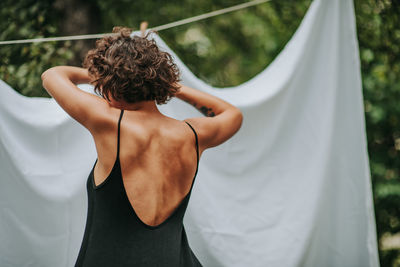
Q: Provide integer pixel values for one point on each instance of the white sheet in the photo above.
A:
(291, 188)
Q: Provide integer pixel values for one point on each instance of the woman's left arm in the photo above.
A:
(60, 82)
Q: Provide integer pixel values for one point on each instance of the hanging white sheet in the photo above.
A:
(291, 188)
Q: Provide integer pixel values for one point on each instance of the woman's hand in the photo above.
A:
(222, 119)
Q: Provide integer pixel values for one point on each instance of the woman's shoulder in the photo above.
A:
(106, 121)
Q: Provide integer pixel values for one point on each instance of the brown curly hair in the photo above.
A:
(131, 69)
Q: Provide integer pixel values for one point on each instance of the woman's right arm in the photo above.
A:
(222, 119)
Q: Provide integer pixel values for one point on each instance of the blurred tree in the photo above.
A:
(379, 41)
(21, 65)
(75, 18)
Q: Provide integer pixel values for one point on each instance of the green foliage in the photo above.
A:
(379, 41)
(21, 65)
(226, 51)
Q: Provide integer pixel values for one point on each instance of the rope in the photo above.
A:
(157, 28)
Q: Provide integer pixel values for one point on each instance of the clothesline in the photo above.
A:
(157, 28)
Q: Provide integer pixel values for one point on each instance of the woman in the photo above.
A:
(140, 184)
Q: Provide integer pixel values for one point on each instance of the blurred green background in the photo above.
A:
(226, 51)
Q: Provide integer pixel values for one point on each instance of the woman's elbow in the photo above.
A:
(45, 75)
(44, 78)
(49, 76)
(237, 118)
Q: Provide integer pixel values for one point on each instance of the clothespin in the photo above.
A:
(143, 27)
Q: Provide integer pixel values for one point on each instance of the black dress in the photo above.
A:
(116, 237)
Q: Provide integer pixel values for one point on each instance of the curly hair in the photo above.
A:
(131, 69)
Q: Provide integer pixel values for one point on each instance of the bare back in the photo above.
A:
(158, 162)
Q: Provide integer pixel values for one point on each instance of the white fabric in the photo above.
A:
(291, 188)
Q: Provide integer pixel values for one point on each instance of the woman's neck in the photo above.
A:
(146, 106)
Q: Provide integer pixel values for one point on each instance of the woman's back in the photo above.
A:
(158, 162)
(116, 234)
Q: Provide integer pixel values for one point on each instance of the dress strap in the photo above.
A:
(197, 147)
(119, 126)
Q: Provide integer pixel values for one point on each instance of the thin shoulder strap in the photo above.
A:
(119, 126)
(197, 146)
